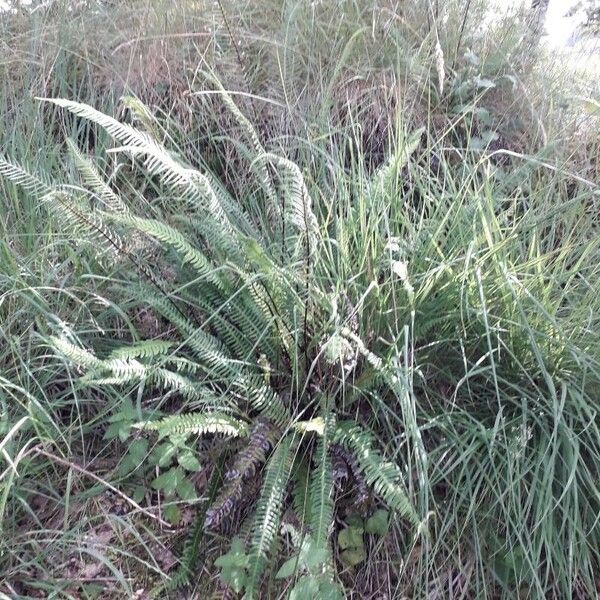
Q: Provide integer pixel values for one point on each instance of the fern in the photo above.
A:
(268, 511)
(157, 160)
(93, 180)
(173, 238)
(197, 423)
(22, 178)
(298, 205)
(241, 316)
(261, 161)
(321, 492)
(124, 368)
(385, 477)
(145, 349)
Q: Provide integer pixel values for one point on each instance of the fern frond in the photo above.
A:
(388, 174)
(261, 162)
(298, 204)
(321, 492)
(263, 399)
(228, 498)
(268, 511)
(92, 179)
(122, 368)
(261, 438)
(22, 178)
(301, 499)
(209, 351)
(197, 423)
(176, 240)
(76, 354)
(142, 114)
(144, 349)
(157, 159)
(384, 477)
(89, 225)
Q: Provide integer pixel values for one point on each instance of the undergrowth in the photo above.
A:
(300, 342)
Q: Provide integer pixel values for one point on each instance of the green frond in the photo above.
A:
(268, 511)
(93, 180)
(198, 423)
(75, 354)
(76, 217)
(176, 240)
(263, 399)
(211, 354)
(123, 367)
(157, 160)
(144, 349)
(301, 499)
(298, 203)
(384, 477)
(142, 114)
(22, 178)
(373, 359)
(230, 321)
(389, 173)
(169, 380)
(262, 167)
(321, 492)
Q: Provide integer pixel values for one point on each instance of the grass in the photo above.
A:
(457, 242)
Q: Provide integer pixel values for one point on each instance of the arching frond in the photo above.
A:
(157, 159)
(93, 180)
(21, 177)
(268, 511)
(298, 204)
(385, 477)
(198, 423)
(262, 167)
(176, 240)
(321, 492)
(144, 349)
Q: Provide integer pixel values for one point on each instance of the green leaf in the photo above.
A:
(235, 578)
(172, 514)
(378, 523)
(355, 521)
(234, 565)
(329, 590)
(127, 412)
(288, 568)
(186, 489)
(138, 449)
(307, 588)
(189, 461)
(164, 454)
(168, 481)
(228, 561)
(351, 537)
(119, 430)
(138, 493)
(353, 556)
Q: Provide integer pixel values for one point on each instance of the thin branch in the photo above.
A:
(103, 482)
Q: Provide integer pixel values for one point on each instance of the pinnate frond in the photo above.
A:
(198, 423)
(94, 181)
(383, 476)
(268, 511)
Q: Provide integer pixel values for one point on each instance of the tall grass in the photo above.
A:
(465, 254)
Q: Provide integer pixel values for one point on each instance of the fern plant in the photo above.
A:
(254, 344)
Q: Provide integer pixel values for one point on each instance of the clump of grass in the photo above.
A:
(463, 255)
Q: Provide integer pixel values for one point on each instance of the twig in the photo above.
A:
(105, 483)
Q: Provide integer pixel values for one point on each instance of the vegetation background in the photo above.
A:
(315, 317)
